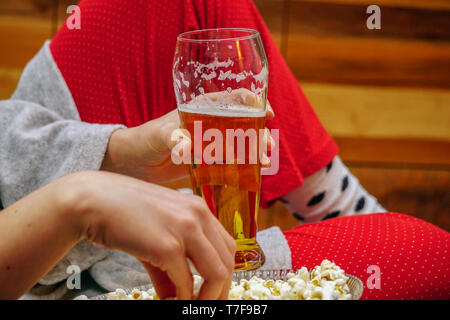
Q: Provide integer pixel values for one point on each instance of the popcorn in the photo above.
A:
(136, 294)
(119, 294)
(325, 282)
(198, 281)
(256, 290)
(236, 292)
(333, 281)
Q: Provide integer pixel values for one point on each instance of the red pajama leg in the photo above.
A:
(412, 255)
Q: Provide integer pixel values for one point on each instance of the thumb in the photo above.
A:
(176, 135)
(180, 145)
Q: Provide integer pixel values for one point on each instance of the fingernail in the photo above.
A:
(270, 111)
(265, 161)
(273, 144)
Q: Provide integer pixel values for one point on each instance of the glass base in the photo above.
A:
(248, 256)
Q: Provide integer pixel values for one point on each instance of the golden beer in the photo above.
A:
(231, 188)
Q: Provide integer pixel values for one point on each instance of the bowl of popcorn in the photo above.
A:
(326, 281)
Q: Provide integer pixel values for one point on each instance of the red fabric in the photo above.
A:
(413, 255)
(118, 69)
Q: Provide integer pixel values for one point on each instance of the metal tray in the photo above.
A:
(355, 284)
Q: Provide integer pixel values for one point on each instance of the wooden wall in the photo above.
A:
(383, 94)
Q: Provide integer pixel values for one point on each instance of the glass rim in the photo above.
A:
(252, 34)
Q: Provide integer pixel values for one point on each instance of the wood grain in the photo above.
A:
(381, 112)
(8, 81)
(21, 37)
(329, 42)
(394, 153)
(273, 12)
(362, 61)
(345, 18)
(422, 4)
(34, 8)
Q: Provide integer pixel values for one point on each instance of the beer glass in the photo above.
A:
(220, 81)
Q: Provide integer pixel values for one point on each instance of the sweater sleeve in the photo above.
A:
(42, 139)
(38, 146)
(41, 135)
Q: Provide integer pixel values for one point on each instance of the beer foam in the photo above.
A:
(222, 110)
(208, 72)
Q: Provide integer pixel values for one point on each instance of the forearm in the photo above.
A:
(36, 233)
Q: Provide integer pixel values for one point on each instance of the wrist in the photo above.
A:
(118, 150)
(74, 200)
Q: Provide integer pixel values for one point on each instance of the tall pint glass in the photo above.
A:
(220, 81)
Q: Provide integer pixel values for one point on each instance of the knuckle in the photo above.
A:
(229, 263)
(232, 244)
(221, 273)
(188, 223)
(197, 200)
(170, 248)
(198, 206)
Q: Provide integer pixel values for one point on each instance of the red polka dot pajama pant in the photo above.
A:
(395, 255)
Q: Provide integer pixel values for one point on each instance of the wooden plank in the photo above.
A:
(343, 18)
(8, 81)
(272, 11)
(27, 7)
(379, 112)
(20, 39)
(383, 62)
(329, 42)
(388, 152)
(423, 4)
(35, 9)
